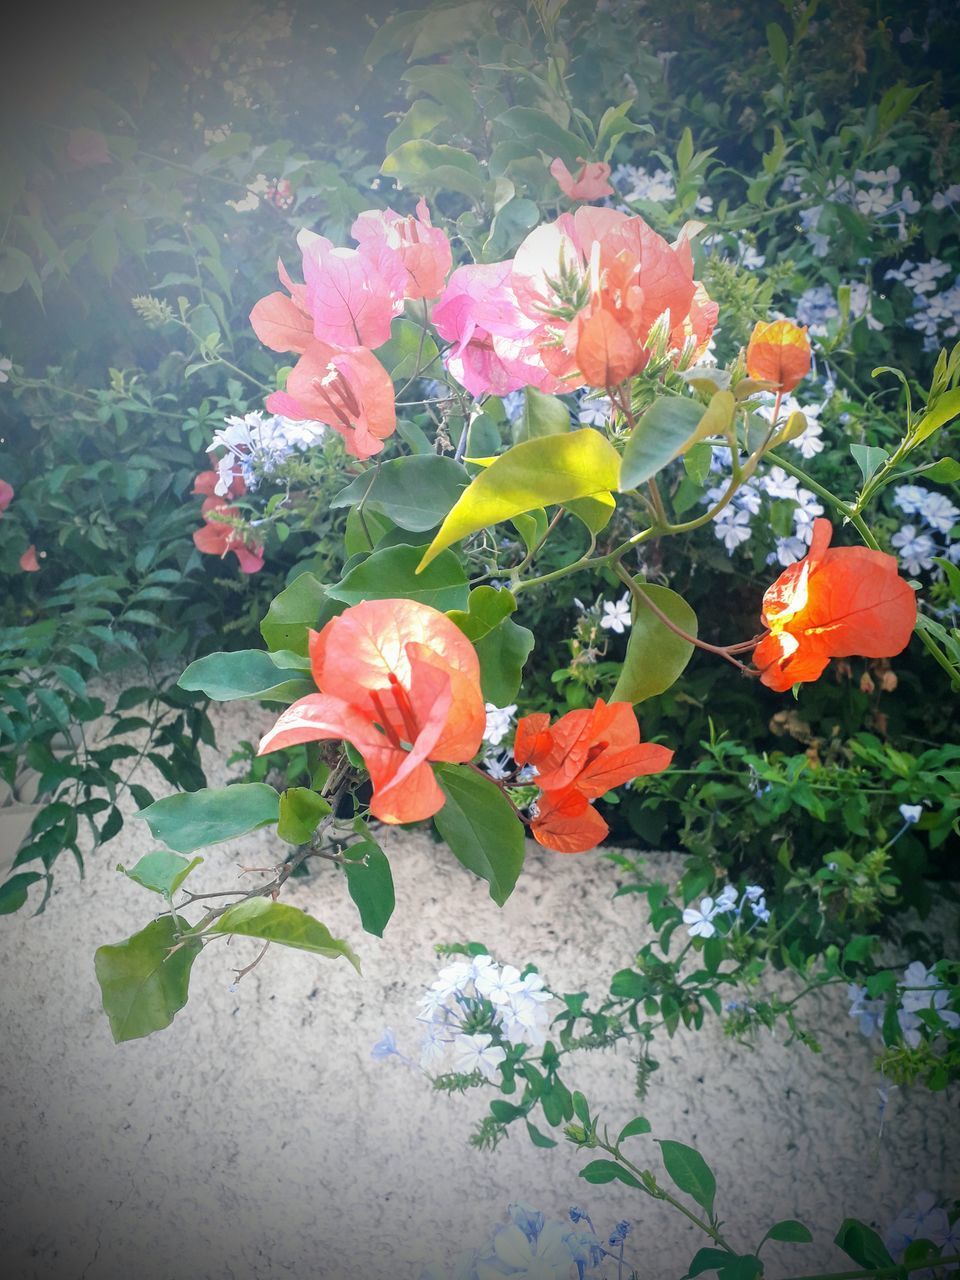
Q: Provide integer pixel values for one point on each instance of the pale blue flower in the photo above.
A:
(616, 614)
(477, 1053)
(911, 812)
(699, 920)
(916, 550)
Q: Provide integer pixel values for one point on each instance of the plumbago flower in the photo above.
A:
(835, 603)
(401, 684)
(584, 755)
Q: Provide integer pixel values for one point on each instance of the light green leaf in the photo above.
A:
(531, 527)
(690, 1172)
(289, 926)
(542, 415)
(409, 351)
(671, 425)
(509, 226)
(421, 120)
(392, 574)
(486, 609)
(868, 459)
(194, 819)
(595, 512)
(370, 883)
(481, 828)
(300, 812)
(655, 656)
(555, 469)
(430, 166)
(946, 471)
(945, 408)
(161, 871)
(414, 492)
(143, 985)
(296, 608)
(245, 673)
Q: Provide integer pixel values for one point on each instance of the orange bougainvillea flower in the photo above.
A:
(585, 754)
(401, 684)
(217, 537)
(835, 603)
(28, 561)
(589, 183)
(779, 352)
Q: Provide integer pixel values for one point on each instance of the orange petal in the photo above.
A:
(566, 823)
(280, 324)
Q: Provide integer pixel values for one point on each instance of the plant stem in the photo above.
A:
(882, 1273)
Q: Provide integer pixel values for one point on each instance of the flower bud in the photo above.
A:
(779, 352)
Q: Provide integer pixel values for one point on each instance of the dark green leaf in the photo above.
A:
(415, 492)
(480, 826)
(598, 1171)
(637, 1126)
(660, 436)
(537, 1138)
(295, 609)
(655, 655)
(707, 1260)
(370, 883)
(690, 1172)
(391, 574)
(13, 892)
(862, 1244)
(791, 1231)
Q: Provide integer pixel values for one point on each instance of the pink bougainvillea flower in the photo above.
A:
(347, 390)
(585, 754)
(494, 351)
(400, 683)
(596, 282)
(352, 294)
(6, 495)
(422, 248)
(218, 537)
(86, 148)
(282, 322)
(837, 602)
(590, 183)
(28, 561)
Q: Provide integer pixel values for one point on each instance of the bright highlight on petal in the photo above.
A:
(779, 352)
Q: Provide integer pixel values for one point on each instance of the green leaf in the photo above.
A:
(868, 459)
(392, 574)
(945, 408)
(690, 1172)
(634, 1128)
(143, 985)
(655, 655)
(429, 166)
(777, 42)
(745, 1267)
(537, 1138)
(541, 132)
(480, 826)
(409, 351)
(542, 415)
(415, 492)
(421, 119)
(599, 1171)
(370, 883)
(670, 426)
(946, 471)
(286, 925)
(595, 512)
(501, 644)
(245, 673)
(707, 1260)
(531, 527)
(161, 871)
(295, 609)
(13, 892)
(195, 819)
(791, 1231)
(614, 123)
(509, 226)
(300, 812)
(554, 469)
(862, 1244)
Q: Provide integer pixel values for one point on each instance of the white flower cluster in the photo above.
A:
(818, 305)
(700, 920)
(733, 525)
(935, 315)
(520, 1015)
(633, 182)
(934, 515)
(255, 446)
(872, 192)
(920, 989)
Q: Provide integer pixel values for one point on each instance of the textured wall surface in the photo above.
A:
(255, 1137)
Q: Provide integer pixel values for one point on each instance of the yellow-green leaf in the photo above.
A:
(537, 473)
